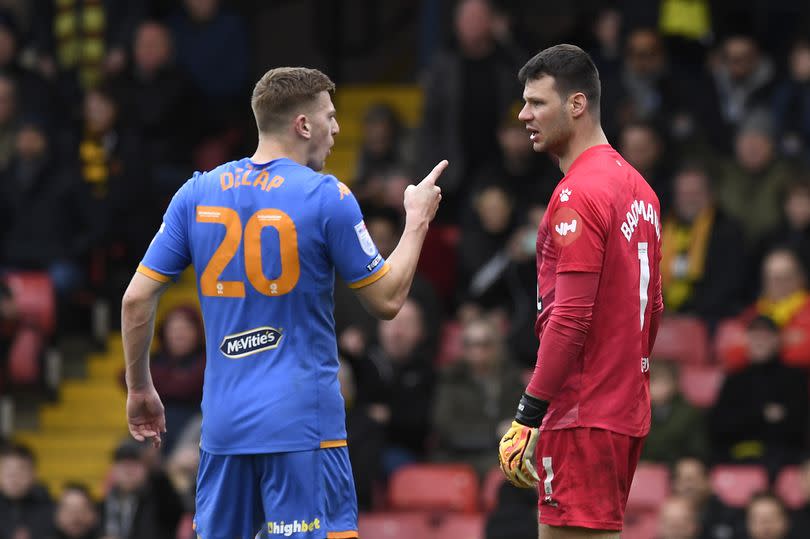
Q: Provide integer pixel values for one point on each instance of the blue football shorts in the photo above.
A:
(299, 494)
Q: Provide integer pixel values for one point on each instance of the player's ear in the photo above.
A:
(578, 104)
(302, 126)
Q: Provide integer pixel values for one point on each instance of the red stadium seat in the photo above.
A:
(700, 384)
(437, 262)
(461, 526)
(24, 357)
(649, 489)
(788, 487)
(450, 345)
(734, 484)
(34, 296)
(434, 487)
(394, 526)
(683, 339)
(489, 490)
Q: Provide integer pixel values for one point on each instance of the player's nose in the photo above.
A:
(335, 127)
(524, 115)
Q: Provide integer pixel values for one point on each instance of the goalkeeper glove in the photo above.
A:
(516, 452)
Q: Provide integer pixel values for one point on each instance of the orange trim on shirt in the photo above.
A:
(327, 444)
(152, 274)
(371, 278)
(342, 535)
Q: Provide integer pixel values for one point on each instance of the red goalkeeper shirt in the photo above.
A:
(599, 296)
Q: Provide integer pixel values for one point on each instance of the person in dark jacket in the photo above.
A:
(76, 514)
(158, 103)
(690, 479)
(703, 256)
(479, 76)
(49, 218)
(141, 503)
(677, 427)
(405, 367)
(761, 414)
(475, 399)
(25, 506)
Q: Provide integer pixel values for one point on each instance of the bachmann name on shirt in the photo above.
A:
(640, 210)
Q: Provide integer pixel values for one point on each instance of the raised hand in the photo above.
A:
(422, 200)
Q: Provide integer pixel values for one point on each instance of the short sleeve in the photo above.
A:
(351, 249)
(579, 227)
(169, 253)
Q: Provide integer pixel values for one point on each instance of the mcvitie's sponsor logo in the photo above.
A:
(250, 342)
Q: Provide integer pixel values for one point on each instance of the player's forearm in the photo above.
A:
(565, 332)
(402, 262)
(137, 327)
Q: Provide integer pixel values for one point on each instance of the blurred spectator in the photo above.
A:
(644, 89)
(140, 503)
(677, 519)
(84, 40)
(784, 299)
(380, 153)
(767, 518)
(677, 427)
(690, 480)
(477, 76)
(607, 50)
(8, 117)
(76, 514)
(181, 469)
(111, 164)
(791, 104)
(26, 508)
(483, 254)
(761, 414)
(794, 230)
(751, 186)
(211, 44)
(178, 368)
(354, 326)
(49, 222)
(475, 399)
(159, 104)
(702, 251)
(9, 321)
(408, 381)
(743, 79)
(364, 426)
(528, 176)
(34, 94)
(515, 514)
(801, 517)
(642, 146)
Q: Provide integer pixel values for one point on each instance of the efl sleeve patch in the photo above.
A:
(365, 238)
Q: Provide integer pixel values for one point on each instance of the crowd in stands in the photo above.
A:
(106, 107)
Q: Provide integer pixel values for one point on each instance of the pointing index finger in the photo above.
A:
(436, 172)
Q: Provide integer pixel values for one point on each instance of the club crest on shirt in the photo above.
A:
(365, 238)
(566, 226)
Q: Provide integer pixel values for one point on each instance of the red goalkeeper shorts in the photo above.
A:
(585, 476)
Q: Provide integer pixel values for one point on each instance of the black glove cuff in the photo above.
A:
(530, 411)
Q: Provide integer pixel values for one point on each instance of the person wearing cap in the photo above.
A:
(785, 300)
(761, 414)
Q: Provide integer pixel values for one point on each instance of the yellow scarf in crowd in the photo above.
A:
(693, 242)
(782, 311)
(79, 27)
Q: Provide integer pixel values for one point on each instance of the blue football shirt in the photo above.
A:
(265, 241)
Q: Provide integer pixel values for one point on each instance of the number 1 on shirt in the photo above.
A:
(643, 278)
